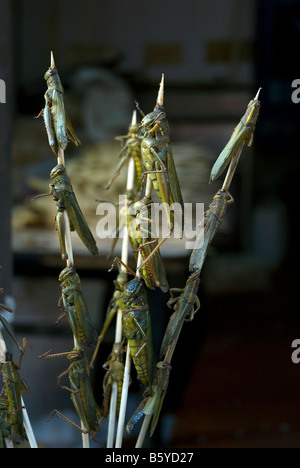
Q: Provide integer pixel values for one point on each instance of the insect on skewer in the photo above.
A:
(68, 242)
(26, 421)
(186, 302)
(241, 136)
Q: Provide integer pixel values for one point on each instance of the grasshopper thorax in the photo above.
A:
(133, 288)
(53, 80)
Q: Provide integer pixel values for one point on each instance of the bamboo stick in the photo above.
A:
(123, 404)
(118, 331)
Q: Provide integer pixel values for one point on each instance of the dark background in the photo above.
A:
(233, 383)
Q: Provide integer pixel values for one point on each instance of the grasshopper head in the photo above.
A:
(66, 273)
(134, 129)
(150, 119)
(75, 355)
(57, 171)
(49, 73)
(252, 112)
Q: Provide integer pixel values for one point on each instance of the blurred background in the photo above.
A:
(233, 383)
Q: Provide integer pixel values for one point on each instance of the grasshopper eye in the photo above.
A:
(60, 170)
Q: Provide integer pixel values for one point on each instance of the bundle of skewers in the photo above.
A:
(150, 148)
(146, 150)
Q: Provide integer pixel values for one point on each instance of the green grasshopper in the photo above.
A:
(136, 215)
(6, 324)
(114, 373)
(154, 272)
(57, 123)
(14, 387)
(5, 424)
(126, 217)
(151, 405)
(158, 159)
(131, 149)
(65, 199)
(81, 392)
(186, 305)
(112, 309)
(136, 326)
(75, 307)
(243, 134)
(212, 220)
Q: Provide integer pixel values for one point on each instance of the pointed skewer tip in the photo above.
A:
(134, 119)
(52, 65)
(257, 94)
(160, 96)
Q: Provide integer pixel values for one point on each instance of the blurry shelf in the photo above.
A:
(36, 250)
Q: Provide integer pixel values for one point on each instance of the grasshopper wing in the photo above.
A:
(83, 320)
(78, 221)
(59, 119)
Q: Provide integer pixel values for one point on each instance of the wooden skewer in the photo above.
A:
(160, 96)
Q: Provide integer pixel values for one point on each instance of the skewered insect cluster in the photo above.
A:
(146, 149)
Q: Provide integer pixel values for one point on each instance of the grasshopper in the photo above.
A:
(114, 373)
(151, 405)
(57, 123)
(154, 272)
(5, 424)
(131, 149)
(212, 220)
(186, 305)
(112, 309)
(14, 387)
(126, 217)
(158, 159)
(7, 326)
(65, 199)
(136, 326)
(75, 307)
(243, 134)
(81, 391)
